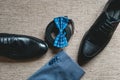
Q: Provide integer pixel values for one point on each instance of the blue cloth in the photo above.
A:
(61, 24)
(60, 67)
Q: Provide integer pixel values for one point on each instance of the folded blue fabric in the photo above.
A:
(60, 67)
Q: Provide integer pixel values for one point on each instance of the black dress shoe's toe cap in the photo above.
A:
(87, 51)
(42, 47)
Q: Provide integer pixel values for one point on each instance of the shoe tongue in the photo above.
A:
(113, 15)
(112, 9)
(112, 5)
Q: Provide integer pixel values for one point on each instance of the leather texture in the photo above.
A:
(100, 33)
(21, 46)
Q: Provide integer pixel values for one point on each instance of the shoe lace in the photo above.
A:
(108, 25)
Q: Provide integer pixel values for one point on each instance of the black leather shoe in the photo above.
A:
(98, 36)
(21, 46)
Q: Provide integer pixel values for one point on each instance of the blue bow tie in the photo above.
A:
(61, 24)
